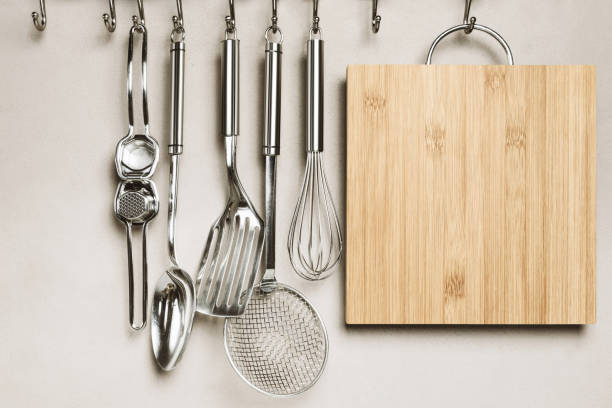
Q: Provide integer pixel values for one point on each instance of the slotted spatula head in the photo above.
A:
(230, 262)
(232, 255)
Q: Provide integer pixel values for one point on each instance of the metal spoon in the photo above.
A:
(174, 301)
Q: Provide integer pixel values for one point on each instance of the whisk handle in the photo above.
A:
(230, 120)
(315, 95)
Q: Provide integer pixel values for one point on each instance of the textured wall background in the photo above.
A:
(65, 335)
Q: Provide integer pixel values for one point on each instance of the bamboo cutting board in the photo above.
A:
(470, 194)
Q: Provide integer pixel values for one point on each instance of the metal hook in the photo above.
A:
(230, 21)
(110, 20)
(140, 19)
(40, 20)
(274, 16)
(375, 17)
(466, 17)
(178, 19)
(315, 16)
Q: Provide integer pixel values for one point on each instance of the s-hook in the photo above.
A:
(139, 20)
(470, 22)
(376, 18)
(40, 20)
(230, 21)
(274, 25)
(178, 33)
(315, 17)
(178, 19)
(110, 20)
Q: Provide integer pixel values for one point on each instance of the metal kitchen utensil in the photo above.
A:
(279, 346)
(315, 238)
(136, 200)
(136, 203)
(232, 254)
(173, 306)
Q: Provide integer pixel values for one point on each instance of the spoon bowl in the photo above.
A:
(172, 314)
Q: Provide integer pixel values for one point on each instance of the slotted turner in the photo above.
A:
(234, 247)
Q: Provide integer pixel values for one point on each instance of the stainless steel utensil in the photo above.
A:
(172, 312)
(174, 299)
(137, 154)
(232, 254)
(136, 203)
(136, 200)
(315, 238)
(279, 346)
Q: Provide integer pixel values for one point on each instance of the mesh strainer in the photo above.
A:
(279, 345)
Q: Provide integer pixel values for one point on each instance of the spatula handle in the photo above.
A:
(230, 120)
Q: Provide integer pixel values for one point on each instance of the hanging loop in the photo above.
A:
(376, 18)
(315, 17)
(230, 20)
(40, 19)
(110, 20)
(470, 22)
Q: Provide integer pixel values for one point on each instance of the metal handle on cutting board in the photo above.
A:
(463, 27)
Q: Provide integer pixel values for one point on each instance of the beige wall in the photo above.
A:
(63, 312)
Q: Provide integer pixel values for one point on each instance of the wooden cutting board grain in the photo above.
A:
(470, 194)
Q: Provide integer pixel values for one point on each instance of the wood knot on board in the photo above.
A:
(435, 137)
(375, 103)
(515, 137)
(495, 80)
(454, 286)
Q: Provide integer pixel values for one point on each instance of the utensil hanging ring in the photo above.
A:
(276, 31)
(477, 27)
(177, 35)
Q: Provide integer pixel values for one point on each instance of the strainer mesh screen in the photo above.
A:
(132, 205)
(279, 345)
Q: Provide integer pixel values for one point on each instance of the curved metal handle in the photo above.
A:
(40, 20)
(477, 27)
(145, 106)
